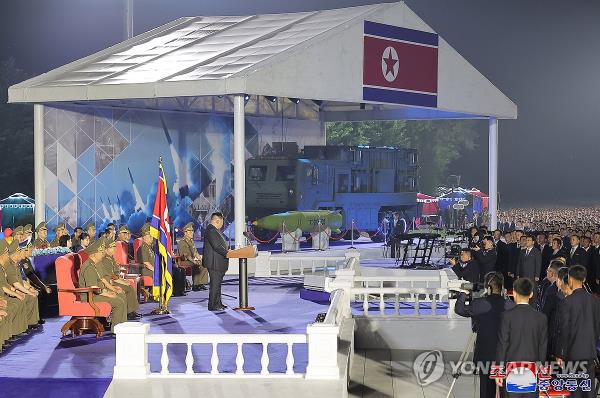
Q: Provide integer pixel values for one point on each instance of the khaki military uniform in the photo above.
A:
(90, 276)
(187, 250)
(41, 243)
(16, 320)
(32, 312)
(108, 269)
(145, 254)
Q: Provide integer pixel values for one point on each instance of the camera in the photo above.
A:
(467, 287)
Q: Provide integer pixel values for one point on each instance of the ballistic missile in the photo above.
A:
(306, 221)
(139, 203)
(181, 170)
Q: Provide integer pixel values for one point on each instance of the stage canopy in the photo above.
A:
(376, 62)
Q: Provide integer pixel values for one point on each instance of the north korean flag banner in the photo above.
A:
(400, 65)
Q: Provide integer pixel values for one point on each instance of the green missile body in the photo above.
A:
(307, 221)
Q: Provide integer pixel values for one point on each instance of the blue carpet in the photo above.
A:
(45, 365)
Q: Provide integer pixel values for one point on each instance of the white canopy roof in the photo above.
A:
(311, 55)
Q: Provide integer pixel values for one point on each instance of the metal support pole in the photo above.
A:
(38, 163)
(493, 173)
(128, 20)
(239, 183)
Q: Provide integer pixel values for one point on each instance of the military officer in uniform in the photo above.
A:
(90, 229)
(190, 257)
(27, 233)
(110, 274)
(13, 276)
(145, 254)
(18, 235)
(11, 301)
(41, 233)
(124, 236)
(90, 276)
(60, 230)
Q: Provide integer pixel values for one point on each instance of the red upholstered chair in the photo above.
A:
(121, 259)
(83, 256)
(83, 314)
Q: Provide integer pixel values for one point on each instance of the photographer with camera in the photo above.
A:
(485, 313)
(486, 257)
(465, 267)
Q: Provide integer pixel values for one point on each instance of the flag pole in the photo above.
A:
(161, 310)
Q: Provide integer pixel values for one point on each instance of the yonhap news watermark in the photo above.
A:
(519, 376)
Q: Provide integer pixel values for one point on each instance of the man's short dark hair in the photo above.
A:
(487, 237)
(563, 274)
(466, 250)
(530, 237)
(215, 215)
(578, 272)
(576, 236)
(495, 280)
(83, 236)
(77, 229)
(523, 286)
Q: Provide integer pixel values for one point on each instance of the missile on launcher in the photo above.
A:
(306, 221)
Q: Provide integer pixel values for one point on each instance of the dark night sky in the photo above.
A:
(543, 54)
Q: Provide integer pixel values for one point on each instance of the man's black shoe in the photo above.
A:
(132, 316)
(41, 322)
(202, 287)
(217, 309)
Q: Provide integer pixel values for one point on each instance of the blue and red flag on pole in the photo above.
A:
(400, 65)
(160, 230)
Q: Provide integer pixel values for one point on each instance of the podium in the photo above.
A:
(243, 254)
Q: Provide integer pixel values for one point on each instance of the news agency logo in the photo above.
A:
(428, 367)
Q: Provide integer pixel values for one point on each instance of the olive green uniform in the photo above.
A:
(187, 250)
(145, 254)
(90, 276)
(110, 268)
(16, 320)
(32, 311)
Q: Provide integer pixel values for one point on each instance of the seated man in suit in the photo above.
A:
(466, 268)
(523, 335)
(13, 275)
(13, 301)
(124, 236)
(90, 276)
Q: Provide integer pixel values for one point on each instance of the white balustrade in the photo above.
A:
(295, 264)
(132, 353)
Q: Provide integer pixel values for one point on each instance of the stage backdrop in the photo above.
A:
(101, 162)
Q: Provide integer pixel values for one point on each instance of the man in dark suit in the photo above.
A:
(530, 261)
(397, 228)
(595, 258)
(486, 257)
(547, 301)
(466, 268)
(523, 331)
(586, 245)
(546, 250)
(577, 256)
(579, 327)
(514, 252)
(501, 252)
(215, 260)
(485, 314)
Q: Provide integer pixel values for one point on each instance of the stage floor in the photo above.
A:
(83, 366)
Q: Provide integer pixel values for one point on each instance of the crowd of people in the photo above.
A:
(552, 270)
(20, 285)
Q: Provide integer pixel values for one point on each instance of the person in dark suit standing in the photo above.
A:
(546, 250)
(523, 332)
(466, 268)
(577, 256)
(486, 257)
(397, 229)
(547, 302)
(514, 252)
(595, 258)
(485, 314)
(586, 245)
(501, 252)
(579, 328)
(215, 260)
(530, 261)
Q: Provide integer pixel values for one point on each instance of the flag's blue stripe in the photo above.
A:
(399, 97)
(396, 32)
